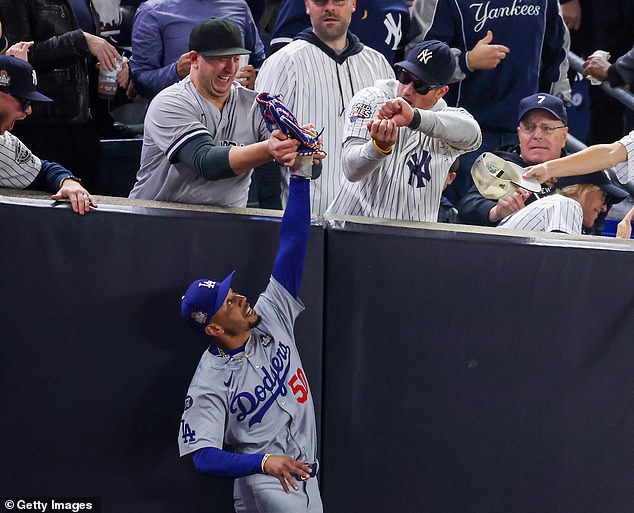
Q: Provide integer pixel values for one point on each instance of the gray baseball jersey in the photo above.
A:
(179, 113)
(407, 183)
(317, 89)
(18, 166)
(555, 213)
(257, 404)
(625, 170)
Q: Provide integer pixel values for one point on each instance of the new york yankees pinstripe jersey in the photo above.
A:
(408, 183)
(625, 170)
(554, 213)
(316, 86)
(18, 166)
(179, 113)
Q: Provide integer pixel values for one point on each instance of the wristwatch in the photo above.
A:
(70, 177)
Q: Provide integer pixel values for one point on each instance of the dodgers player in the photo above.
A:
(401, 139)
(317, 75)
(578, 202)
(204, 135)
(250, 390)
(19, 168)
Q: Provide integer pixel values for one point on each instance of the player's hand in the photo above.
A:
(506, 206)
(597, 68)
(246, 76)
(485, 55)
(80, 199)
(384, 132)
(20, 50)
(540, 171)
(398, 110)
(282, 149)
(104, 52)
(319, 154)
(624, 228)
(283, 467)
(183, 65)
(571, 12)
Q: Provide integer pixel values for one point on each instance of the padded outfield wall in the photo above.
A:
(453, 370)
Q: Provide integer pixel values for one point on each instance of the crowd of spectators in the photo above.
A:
(341, 65)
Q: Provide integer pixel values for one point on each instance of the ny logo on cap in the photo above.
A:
(209, 284)
(425, 55)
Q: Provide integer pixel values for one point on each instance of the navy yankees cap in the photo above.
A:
(544, 101)
(203, 299)
(18, 78)
(431, 61)
(599, 178)
(217, 37)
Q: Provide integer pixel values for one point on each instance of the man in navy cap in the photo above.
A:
(401, 139)
(19, 168)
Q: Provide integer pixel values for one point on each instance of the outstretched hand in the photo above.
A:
(283, 467)
(540, 171)
(624, 228)
(80, 199)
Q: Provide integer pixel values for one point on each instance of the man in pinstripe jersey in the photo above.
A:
(401, 139)
(317, 75)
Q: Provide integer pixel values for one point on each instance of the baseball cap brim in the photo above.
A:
(414, 71)
(225, 51)
(223, 290)
(35, 97)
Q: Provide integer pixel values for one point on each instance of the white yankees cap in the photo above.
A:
(497, 178)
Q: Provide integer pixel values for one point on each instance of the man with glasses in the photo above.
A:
(317, 75)
(19, 168)
(541, 130)
(204, 135)
(401, 139)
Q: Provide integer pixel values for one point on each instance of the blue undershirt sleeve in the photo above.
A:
(54, 173)
(200, 153)
(289, 263)
(218, 463)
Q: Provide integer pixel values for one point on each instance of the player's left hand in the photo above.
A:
(283, 467)
(80, 199)
(282, 148)
(540, 171)
(246, 76)
(384, 132)
(624, 228)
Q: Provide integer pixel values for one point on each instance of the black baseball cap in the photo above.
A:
(18, 78)
(544, 101)
(431, 61)
(599, 178)
(217, 37)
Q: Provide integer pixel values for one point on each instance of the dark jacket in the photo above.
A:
(60, 56)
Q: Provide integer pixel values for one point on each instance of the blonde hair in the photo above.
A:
(578, 191)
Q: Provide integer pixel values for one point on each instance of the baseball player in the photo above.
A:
(619, 154)
(204, 135)
(250, 391)
(317, 75)
(19, 168)
(401, 139)
(578, 202)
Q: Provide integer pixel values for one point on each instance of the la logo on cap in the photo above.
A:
(425, 55)
(209, 284)
(5, 78)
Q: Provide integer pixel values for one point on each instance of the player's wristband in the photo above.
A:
(266, 457)
(70, 177)
(415, 123)
(385, 152)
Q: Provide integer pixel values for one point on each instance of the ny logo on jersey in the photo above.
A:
(419, 169)
(394, 31)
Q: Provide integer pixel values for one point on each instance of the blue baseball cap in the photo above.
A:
(544, 101)
(431, 61)
(599, 178)
(18, 78)
(203, 299)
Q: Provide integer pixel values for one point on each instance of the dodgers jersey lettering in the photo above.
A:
(317, 89)
(625, 170)
(18, 166)
(554, 213)
(179, 113)
(252, 404)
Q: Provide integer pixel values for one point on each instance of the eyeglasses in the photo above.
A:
(530, 128)
(405, 77)
(322, 3)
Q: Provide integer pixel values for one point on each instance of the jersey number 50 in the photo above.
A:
(299, 385)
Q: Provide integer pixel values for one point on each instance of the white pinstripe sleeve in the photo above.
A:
(18, 166)
(625, 170)
(554, 213)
